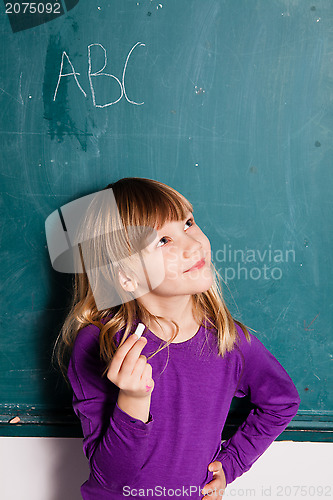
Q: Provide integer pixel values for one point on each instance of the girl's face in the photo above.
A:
(185, 253)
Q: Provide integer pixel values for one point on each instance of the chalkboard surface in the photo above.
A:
(229, 102)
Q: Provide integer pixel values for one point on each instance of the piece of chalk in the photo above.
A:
(139, 330)
(15, 420)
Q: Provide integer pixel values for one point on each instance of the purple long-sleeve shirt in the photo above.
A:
(169, 456)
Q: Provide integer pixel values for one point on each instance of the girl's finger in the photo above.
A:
(132, 357)
(215, 466)
(147, 372)
(214, 484)
(139, 367)
(121, 353)
(211, 495)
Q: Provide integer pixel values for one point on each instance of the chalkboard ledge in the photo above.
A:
(33, 421)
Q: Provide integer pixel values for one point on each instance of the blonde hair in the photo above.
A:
(140, 202)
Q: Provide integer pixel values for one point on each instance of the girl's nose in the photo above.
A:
(191, 247)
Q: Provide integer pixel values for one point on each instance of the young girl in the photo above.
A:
(152, 409)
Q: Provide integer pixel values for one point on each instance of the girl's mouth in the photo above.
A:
(198, 265)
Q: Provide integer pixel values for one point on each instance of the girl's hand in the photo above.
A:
(130, 371)
(217, 485)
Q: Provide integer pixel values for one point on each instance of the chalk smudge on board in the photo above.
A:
(58, 113)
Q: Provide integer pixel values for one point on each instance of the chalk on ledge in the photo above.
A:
(15, 420)
(139, 330)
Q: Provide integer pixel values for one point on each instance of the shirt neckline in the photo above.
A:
(157, 339)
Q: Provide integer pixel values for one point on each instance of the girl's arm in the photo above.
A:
(115, 442)
(276, 402)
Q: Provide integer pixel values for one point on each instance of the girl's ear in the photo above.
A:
(128, 284)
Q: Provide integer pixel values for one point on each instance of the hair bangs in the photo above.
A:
(145, 202)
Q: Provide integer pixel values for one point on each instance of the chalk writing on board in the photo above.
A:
(306, 327)
(96, 74)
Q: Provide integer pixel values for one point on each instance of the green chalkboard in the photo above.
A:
(229, 102)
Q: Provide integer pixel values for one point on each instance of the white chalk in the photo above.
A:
(139, 330)
(15, 420)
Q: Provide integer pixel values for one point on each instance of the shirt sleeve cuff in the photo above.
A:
(123, 418)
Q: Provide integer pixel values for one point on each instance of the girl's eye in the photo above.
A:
(191, 221)
(165, 238)
(161, 240)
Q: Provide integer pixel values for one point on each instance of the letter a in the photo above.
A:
(61, 75)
